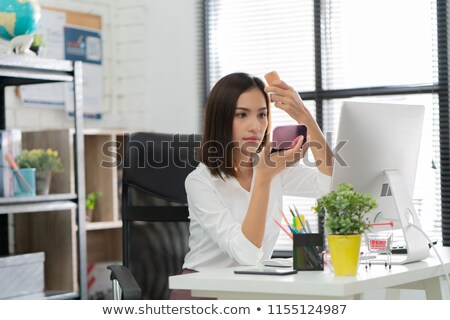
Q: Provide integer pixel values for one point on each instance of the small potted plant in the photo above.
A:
(37, 44)
(46, 163)
(344, 213)
(91, 204)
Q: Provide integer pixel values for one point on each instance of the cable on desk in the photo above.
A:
(437, 253)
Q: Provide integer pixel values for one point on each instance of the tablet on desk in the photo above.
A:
(267, 271)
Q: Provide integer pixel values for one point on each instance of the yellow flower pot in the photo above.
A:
(344, 251)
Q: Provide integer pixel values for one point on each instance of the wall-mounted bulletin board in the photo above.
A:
(72, 36)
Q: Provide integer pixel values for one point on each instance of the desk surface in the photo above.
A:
(223, 283)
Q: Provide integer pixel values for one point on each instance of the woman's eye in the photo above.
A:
(240, 114)
(262, 115)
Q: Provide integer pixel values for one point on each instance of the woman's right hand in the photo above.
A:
(267, 166)
(270, 164)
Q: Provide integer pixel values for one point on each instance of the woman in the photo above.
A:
(236, 191)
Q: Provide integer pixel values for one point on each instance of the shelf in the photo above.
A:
(52, 202)
(50, 197)
(35, 63)
(103, 225)
(20, 70)
(23, 77)
(61, 295)
(49, 295)
(38, 207)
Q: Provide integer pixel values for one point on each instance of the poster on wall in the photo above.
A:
(85, 45)
(64, 40)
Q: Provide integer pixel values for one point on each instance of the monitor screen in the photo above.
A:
(379, 152)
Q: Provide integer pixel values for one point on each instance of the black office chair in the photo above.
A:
(154, 213)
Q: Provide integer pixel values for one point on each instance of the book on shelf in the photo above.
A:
(10, 142)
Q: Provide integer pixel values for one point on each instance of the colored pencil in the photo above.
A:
(282, 228)
(292, 228)
(301, 220)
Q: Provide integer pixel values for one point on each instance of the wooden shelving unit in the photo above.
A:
(103, 157)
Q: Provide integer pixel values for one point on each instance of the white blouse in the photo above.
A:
(217, 209)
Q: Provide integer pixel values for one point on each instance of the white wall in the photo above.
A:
(151, 68)
(175, 65)
(159, 64)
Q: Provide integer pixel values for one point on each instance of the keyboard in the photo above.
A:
(400, 248)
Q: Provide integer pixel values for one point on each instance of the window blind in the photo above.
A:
(393, 51)
(387, 44)
(256, 36)
(378, 43)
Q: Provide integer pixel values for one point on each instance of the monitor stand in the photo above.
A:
(416, 242)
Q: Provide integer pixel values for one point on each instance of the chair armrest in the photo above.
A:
(129, 286)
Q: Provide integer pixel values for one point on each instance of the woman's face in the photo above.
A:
(250, 121)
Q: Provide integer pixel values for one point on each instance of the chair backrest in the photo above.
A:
(154, 207)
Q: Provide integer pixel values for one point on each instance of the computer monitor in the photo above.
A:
(379, 157)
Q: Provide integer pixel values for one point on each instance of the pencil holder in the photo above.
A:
(308, 248)
(24, 182)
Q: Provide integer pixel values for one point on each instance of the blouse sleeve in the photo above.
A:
(301, 181)
(208, 209)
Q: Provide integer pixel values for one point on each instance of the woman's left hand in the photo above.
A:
(286, 98)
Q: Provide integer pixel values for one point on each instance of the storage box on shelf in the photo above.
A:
(21, 275)
(54, 223)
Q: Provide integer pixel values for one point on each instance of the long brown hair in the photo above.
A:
(217, 147)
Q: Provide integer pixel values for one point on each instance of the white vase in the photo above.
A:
(43, 180)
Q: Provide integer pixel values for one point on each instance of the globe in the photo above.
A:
(18, 17)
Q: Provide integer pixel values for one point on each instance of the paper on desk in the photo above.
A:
(278, 262)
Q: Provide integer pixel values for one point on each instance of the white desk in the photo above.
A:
(224, 284)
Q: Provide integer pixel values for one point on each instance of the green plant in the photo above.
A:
(91, 200)
(38, 41)
(344, 210)
(42, 160)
